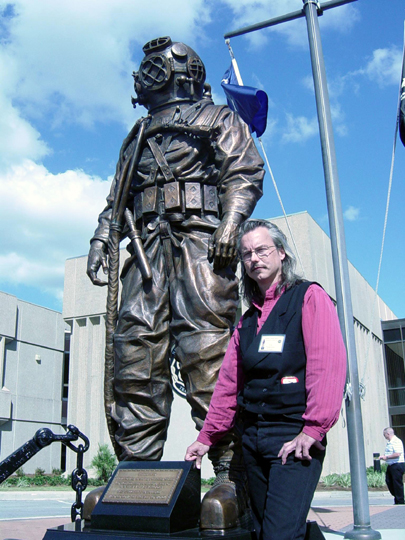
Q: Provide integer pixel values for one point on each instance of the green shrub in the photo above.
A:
(39, 472)
(330, 480)
(96, 482)
(22, 483)
(375, 479)
(208, 481)
(20, 472)
(12, 481)
(38, 481)
(104, 462)
(57, 481)
(56, 472)
(344, 480)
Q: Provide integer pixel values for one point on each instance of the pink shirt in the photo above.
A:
(325, 369)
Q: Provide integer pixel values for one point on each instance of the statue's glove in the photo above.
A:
(222, 244)
(97, 257)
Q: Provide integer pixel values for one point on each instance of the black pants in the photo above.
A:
(280, 495)
(395, 483)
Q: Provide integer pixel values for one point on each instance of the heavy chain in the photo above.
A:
(44, 437)
(79, 476)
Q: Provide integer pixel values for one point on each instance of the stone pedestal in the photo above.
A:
(146, 501)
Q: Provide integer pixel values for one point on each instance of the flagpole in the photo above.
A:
(361, 512)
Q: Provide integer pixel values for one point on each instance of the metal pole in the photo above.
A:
(362, 528)
(284, 18)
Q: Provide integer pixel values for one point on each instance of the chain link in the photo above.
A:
(79, 475)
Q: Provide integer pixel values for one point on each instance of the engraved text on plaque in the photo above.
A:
(143, 486)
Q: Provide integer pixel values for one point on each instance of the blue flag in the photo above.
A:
(250, 103)
(401, 111)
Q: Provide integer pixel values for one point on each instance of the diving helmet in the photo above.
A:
(170, 72)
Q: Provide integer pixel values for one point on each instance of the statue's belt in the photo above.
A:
(176, 198)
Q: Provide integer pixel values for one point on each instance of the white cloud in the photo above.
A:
(47, 218)
(385, 66)
(299, 128)
(19, 140)
(352, 213)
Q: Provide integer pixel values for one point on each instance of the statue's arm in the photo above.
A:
(98, 253)
(240, 184)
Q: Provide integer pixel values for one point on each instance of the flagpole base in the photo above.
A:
(363, 533)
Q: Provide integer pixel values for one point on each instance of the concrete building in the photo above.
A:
(84, 311)
(31, 377)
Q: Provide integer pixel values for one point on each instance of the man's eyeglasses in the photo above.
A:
(261, 252)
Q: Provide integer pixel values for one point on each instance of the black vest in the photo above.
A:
(267, 374)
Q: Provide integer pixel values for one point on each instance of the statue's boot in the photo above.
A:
(226, 504)
(90, 502)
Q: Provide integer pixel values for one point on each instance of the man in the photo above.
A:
(394, 458)
(196, 176)
(285, 371)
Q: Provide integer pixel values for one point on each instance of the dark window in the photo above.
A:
(395, 365)
(397, 397)
(64, 411)
(394, 334)
(398, 423)
(398, 420)
(63, 458)
(65, 375)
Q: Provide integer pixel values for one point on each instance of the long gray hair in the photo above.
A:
(249, 288)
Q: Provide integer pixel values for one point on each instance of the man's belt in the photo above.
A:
(177, 197)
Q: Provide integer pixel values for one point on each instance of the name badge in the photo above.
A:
(272, 343)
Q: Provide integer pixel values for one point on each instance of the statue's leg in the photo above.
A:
(204, 306)
(142, 376)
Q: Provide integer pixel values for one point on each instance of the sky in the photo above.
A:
(65, 100)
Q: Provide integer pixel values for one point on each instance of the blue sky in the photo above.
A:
(66, 84)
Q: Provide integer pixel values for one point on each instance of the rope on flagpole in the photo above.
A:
(362, 384)
(240, 82)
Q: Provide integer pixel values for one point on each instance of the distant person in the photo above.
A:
(394, 458)
(284, 370)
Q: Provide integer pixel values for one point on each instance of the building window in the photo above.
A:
(392, 334)
(398, 423)
(394, 347)
(65, 380)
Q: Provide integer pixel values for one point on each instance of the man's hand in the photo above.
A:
(222, 244)
(195, 452)
(301, 445)
(383, 458)
(97, 257)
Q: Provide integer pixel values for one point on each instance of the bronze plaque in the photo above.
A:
(143, 486)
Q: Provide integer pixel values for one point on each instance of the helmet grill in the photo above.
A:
(155, 71)
(196, 69)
